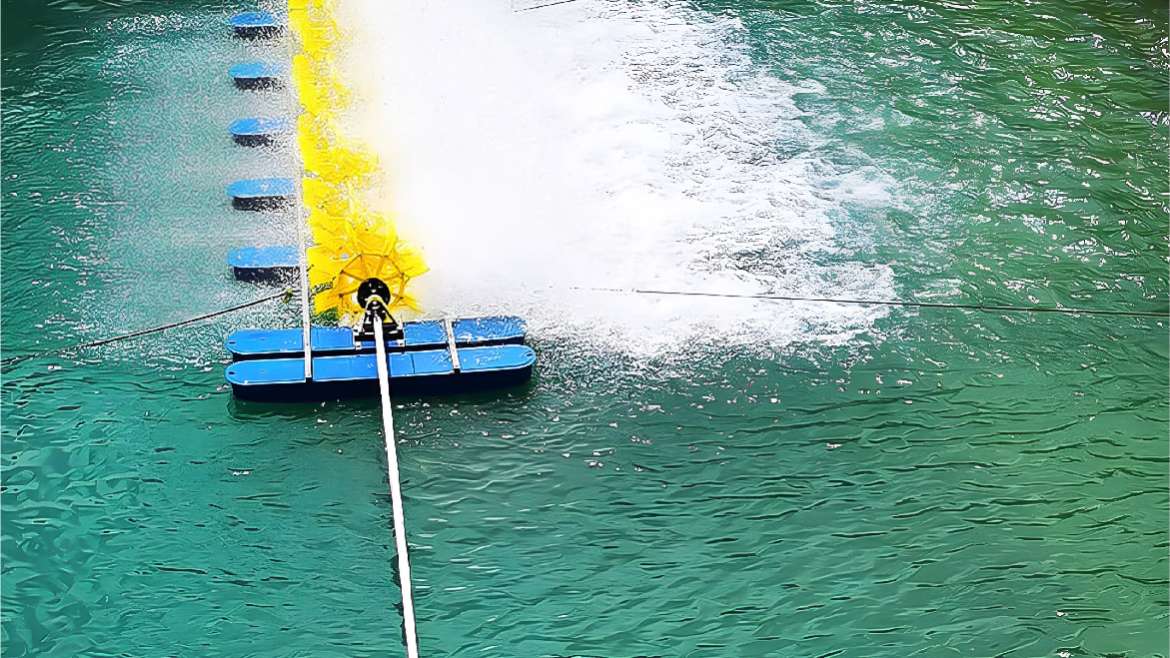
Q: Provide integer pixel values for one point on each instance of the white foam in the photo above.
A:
(607, 144)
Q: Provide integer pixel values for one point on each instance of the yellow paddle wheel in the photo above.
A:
(352, 243)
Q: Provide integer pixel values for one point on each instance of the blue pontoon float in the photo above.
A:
(258, 131)
(248, 344)
(254, 25)
(411, 373)
(261, 193)
(427, 357)
(255, 75)
(271, 263)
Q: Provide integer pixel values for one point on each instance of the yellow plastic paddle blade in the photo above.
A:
(316, 28)
(410, 262)
(324, 264)
(327, 230)
(318, 88)
(337, 165)
(329, 157)
(337, 199)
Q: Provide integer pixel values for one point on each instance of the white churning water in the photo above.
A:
(612, 144)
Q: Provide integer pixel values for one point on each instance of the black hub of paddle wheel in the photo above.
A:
(374, 295)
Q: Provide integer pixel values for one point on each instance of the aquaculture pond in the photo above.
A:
(684, 476)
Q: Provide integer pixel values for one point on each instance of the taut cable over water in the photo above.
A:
(985, 308)
(547, 4)
(285, 294)
(777, 297)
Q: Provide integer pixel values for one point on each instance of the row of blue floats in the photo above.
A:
(429, 357)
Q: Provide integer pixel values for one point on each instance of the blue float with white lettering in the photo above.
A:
(258, 131)
(262, 193)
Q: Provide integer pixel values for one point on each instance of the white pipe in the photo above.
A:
(306, 335)
(395, 493)
(302, 241)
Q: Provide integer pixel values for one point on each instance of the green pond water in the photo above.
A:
(941, 483)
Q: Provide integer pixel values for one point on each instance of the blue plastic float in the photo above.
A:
(254, 25)
(258, 131)
(332, 341)
(261, 193)
(255, 75)
(274, 263)
(411, 373)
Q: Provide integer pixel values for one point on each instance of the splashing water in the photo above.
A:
(612, 146)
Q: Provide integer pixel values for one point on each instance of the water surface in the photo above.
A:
(698, 479)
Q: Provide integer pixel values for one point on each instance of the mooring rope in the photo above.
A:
(286, 294)
(395, 493)
(987, 308)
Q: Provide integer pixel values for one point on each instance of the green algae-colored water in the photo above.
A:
(935, 483)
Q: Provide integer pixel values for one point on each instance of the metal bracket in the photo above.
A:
(376, 313)
(451, 344)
